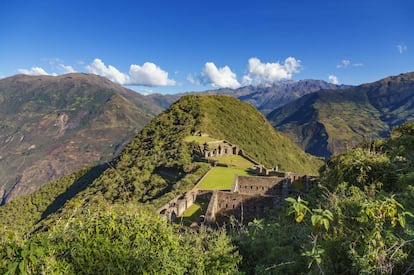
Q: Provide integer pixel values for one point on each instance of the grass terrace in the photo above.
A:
(193, 212)
(235, 161)
(221, 178)
(199, 140)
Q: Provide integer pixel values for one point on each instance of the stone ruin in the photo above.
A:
(177, 206)
(220, 148)
(250, 197)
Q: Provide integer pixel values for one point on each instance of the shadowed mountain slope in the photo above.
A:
(326, 122)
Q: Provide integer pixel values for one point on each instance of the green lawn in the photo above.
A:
(193, 212)
(193, 209)
(199, 140)
(221, 178)
(235, 161)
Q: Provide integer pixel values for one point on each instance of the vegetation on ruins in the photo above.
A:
(358, 219)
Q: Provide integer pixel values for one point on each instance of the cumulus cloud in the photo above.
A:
(333, 79)
(259, 73)
(98, 67)
(148, 74)
(219, 77)
(34, 71)
(66, 69)
(401, 48)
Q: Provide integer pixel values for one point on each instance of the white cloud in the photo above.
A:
(257, 73)
(260, 73)
(34, 71)
(333, 79)
(148, 74)
(110, 72)
(344, 64)
(219, 77)
(401, 48)
(66, 69)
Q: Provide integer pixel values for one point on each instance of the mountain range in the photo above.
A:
(51, 126)
(265, 98)
(330, 121)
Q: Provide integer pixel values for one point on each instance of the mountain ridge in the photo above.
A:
(53, 125)
(337, 119)
(264, 97)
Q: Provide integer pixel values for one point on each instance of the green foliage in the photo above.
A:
(20, 215)
(120, 240)
(298, 208)
(321, 217)
(363, 168)
(361, 220)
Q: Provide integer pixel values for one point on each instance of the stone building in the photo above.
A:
(250, 197)
(220, 148)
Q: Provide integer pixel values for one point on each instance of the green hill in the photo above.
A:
(160, 163)
(326, 122)
(51, 126)
(106, 213)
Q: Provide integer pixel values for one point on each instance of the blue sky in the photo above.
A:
(178, 46)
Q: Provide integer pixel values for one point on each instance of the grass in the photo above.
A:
(235, 161)
(193, 212)
(199, 140)
(221, 178)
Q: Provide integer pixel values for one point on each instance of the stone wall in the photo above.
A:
(263, 186)
(243, 207)
(177, 206)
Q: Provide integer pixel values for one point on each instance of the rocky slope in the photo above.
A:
(51, 126)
